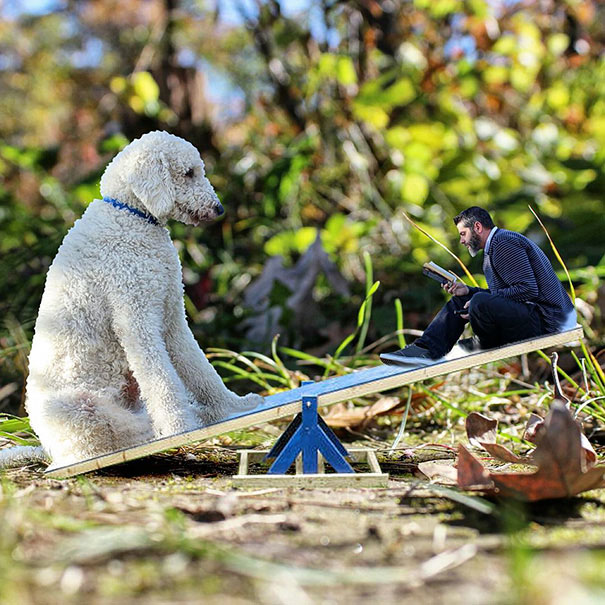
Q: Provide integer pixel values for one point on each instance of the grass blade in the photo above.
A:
(399, 316)
(305, 356)
(554, 249)
(260, 379)
(367, 260)
(593, 364)
(468, 273)
(280, 364)
(241, 358)
(403, 421)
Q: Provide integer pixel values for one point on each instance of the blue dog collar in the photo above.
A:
(123, 206)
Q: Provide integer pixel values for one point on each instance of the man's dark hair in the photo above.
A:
(473, 214)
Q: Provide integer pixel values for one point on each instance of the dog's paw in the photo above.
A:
(223, 408)
(245, 404)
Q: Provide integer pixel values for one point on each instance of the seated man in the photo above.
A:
(525, 299)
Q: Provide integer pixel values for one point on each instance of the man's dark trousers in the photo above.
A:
(494, 319)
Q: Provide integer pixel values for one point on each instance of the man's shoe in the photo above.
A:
(470, 345)
(411, 355)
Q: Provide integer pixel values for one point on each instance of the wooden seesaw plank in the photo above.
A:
(329, 391)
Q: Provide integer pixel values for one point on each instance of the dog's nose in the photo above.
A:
(219, 209)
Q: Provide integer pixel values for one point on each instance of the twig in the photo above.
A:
(557, 385)
(347, 506)
(510, 379)
(447, 560)
(203, 531)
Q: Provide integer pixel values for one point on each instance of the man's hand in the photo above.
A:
(456, 288)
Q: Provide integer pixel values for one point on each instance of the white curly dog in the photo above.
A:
(113, 362)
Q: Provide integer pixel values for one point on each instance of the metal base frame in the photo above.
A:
(308, 442)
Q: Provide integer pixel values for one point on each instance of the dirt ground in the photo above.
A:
(173, 529)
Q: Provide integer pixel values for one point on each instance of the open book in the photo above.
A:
(438, 273)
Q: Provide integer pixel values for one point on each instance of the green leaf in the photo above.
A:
(558, 96)
(496, 74)
(557, 43)
(398, 137)
(145, 87)
(326, 66)
(376, 116)
(384, 93)
(286, 242)
(14, 424)
(114, 143)
(361, 312)
(506, 45)
(415, 189)
(345, 71)
(344, 344)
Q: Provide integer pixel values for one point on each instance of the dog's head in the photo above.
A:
(164, 175)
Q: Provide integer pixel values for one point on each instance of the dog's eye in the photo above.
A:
(189, 174)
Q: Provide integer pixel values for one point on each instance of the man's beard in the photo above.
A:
(474, 244)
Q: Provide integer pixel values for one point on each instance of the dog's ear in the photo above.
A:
(150, 180)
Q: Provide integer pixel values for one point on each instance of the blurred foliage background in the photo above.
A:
(319, 122)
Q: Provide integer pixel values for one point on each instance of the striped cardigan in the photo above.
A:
(516, 268)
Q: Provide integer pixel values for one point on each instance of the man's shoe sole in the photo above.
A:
(399, 360)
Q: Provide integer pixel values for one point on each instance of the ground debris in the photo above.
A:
(176, 535)
(565, 464)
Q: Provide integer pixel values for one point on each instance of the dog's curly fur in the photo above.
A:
(113, 361)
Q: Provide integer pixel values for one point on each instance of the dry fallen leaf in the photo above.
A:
(442, 473)
(341, 415)
(564, 468)
(480, 429)
(481, 432)
(533, 428)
